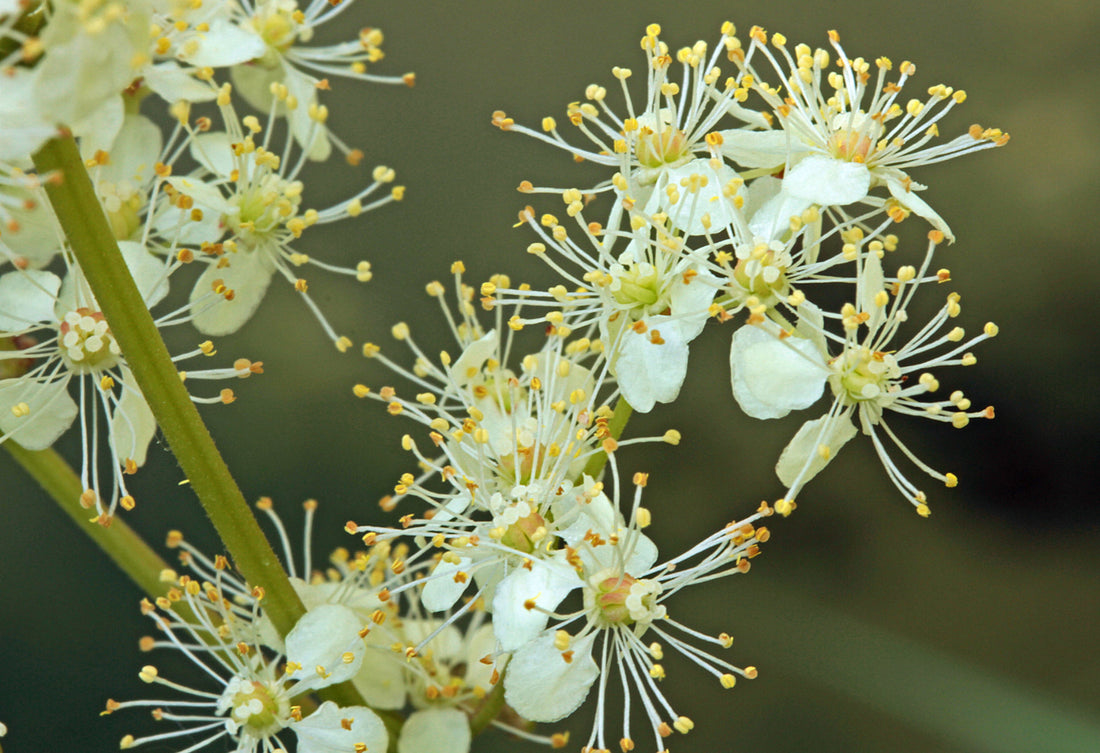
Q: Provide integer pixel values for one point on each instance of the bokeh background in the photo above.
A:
(975, 631)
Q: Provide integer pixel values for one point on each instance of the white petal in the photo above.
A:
(134, 153)
(326, 642)
(908, 198)
(52, 411)
(687, 213)
(815, 444)
(323, 731)
(173, 83)
(311, 135)
(248, 275)
(224, 44)
(690, 301)
(542, 686)
(381, 677)
(773, 219)
(649, 373)
(101, 127)
(214, 151)
(27, 298)
(754, 149)
(468, 365)
(132, 423)
(22, 123)
(545, 584)
(443, 590)
(480, 644)
(871, 284)
(828, 182)
(253, 82)
(773, 376)
(435, 731)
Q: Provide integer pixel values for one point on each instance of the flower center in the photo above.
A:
(665, 146)
(863, 375)
(761, 269)
(86, 341)
(620, 599)
(259, 709)
(853, 138)
(637, 286)
(264, 205)
(122, 204)
(279, 23)
(522, 533)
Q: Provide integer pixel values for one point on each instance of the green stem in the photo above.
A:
(125, 548)
(77, 207)
(620, 415)
(489, 710)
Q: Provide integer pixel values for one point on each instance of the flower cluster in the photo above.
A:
(771, 190)
(523, 515)
(524, 569)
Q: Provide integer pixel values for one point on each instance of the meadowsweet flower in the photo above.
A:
(250, 694)
(776, 370)
(249, 199)
(646, 301)
(673, 125)
(624, 594)
(61, 340)
(72, 73)
(839, 143)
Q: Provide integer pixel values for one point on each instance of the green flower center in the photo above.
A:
(523, 534)
(122, 205)
(863, 375)
(762, 271)
(264, 205)
(638, 286)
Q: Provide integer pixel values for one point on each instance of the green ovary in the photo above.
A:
(638, 287)
(865, 375)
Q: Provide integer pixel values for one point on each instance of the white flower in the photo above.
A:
(252, 703)
(89, 55)
(776, 371)
(266, 43)
(550, 676)
(669, 128)
(647, 302)
(61, 340)
(250, 210)
(839, 144)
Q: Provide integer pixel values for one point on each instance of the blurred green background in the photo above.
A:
(975, 631)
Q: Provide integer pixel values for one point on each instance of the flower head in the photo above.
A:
(842, 134)
(251, 696)
(776, 370)
(57, 340)
(624, 593)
